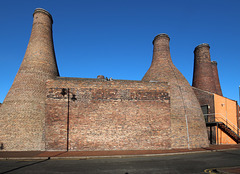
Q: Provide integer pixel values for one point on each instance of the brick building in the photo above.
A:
(43, 111)
(221, 114)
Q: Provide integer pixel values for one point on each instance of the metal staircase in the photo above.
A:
(235, 137)
(225, 125)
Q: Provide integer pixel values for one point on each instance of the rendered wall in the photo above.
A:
(226, 112)
(239, 117)
(108, 115)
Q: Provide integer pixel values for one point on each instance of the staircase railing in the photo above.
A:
(222, 118)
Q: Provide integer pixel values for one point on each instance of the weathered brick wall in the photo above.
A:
(107, 115)
(207, 98)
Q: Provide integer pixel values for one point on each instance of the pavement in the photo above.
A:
(7, 155)
(76, 155)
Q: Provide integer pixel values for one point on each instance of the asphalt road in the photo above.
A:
(171, 164)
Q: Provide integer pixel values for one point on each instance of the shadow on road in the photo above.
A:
(17, 168)
(38, 162)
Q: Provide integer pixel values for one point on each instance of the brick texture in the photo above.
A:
(203, 77)
(43, 111)
(207, 98)
(23, 110)
(108, 115)
(216, 78)
(187, 122)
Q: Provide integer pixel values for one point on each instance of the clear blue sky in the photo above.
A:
(114, 37)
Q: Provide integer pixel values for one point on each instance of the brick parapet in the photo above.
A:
(69, 81)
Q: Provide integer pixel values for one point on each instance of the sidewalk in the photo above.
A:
(40, 155)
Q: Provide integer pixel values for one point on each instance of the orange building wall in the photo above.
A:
(226, 112)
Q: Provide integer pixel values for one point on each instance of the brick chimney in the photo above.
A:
(24, 106)
(187, 122)
(216, 78)
(161, 59)
(203, 73)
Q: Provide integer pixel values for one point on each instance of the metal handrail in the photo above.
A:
(227, 122)
(230, 126)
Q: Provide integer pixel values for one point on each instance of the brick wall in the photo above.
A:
(207, 98)
(107, 115)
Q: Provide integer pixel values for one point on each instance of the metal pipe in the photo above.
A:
(217, 135)
(68, 121)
